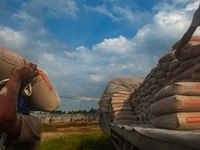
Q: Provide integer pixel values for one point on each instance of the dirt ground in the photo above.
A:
(63, 132)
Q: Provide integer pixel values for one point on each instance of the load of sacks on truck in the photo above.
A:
(168, 97)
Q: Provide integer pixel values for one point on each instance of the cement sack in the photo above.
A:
(150, 117)
(161, 74)
(157, 68)
(116, 101)
(177, 72)
(181, 88)
(120, 105)
(173, 80)
(123, 108)
(196, 76)
(165, 65)
(184, 121)
(116, 85)
(123, 117)
(176, 103)
(167, 57)
(121, 95)
(147, 111)
(156, 90)
(44, 96)
(173, 65)
(152, 75)
(186, 74)
(148, 97)
(162, 81)
(143, 115)
(123, 113)
(140, 122)
(152, 100)
(134, 104)
(189, 52)
(169, 75)
(195, 40)
(196, 68)
(125, 122)
(189, 63)
(153, 87)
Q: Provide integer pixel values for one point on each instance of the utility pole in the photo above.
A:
(65, 109)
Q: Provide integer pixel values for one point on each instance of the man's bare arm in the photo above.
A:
(185, 39)
(10, 121)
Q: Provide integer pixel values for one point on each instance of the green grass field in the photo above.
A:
(89, 140)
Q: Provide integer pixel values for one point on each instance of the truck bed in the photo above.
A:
(147, 137)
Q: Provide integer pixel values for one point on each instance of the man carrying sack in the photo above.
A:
(187, 36)
(20, 130)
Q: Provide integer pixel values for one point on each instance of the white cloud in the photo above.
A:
(102, 10)
(11, 39)
(53, 8)
(114, 46)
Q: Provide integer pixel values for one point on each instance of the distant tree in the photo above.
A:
(92, 111)
(59, 112)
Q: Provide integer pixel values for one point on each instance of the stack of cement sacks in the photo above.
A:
(121, 110)
(169, 97)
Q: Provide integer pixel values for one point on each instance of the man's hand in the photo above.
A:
(26, 72)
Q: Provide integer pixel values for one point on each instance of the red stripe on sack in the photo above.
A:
(193, 119)
(197, 88)
(46, 80)
(193, 102)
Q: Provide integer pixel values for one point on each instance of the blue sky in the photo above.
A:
(82, 45)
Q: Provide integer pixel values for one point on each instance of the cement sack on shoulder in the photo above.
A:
(189, 52)
(189, 63)
(167, 57)
(181, 88)
(123, 113)
(184, 121)
(43, 97)
(123, 117)
(176, 103)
